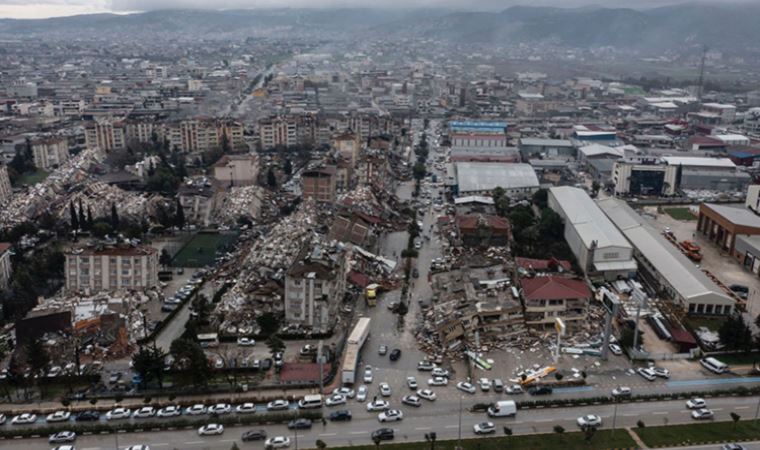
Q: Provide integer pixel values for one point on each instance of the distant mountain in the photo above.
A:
(721, 27)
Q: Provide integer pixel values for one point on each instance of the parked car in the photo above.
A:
(427, 394)
(661, 372)
(170, 411)
(425, 366)
(438, 372)
(88, 416)
(382, 350)
(341, 415)
(411, 383)
(647, 373)
(344, 391)
(361, 393)
(385, 389)
(484, 428)
(278, 405)
(514, 389)
(377, 405)
(438, 381)
(540, 390)
(615, 349)
(254, 435)
(411, 400)
(466, 387)
(368, 377)
(144, 412)
(58, 416)
(246, 342)
(245, 408)
(485, 384)
(195, 410)
(62, 437)
(335, 400)
(621, 391)
(211, 429)
(219, 408)
(383, 434)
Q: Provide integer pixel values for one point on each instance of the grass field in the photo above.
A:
(697, 433)
(201, 250)
(680, 213)
(602, 440)
(33, 178)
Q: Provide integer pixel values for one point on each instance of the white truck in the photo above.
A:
(503, 408)
(356, 340)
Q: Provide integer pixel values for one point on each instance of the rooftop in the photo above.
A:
(554, 288)
(486, 176)
(698, 161)
(738, 215)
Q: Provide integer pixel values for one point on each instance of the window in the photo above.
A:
(611, 255)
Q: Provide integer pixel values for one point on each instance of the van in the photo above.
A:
(713, 365)
(502, 408)
(310, 401)
(498, 385)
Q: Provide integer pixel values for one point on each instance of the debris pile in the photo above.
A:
(243, 201)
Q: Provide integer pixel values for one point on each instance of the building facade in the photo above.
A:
(118, 268)
(237, 170)
(319, 184)
(6, 269)
(50, 152)
(5, 185)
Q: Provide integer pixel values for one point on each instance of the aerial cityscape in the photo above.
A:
(337, 225)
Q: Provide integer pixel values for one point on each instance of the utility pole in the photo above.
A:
(459, 438)
(614, 420)
(641, 300)
(757, 410)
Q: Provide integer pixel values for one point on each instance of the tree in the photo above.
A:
(320, 444)
(148, 362)
(164, 258)
(588, 433)
(191, 360)
(507, 431)
(558, 376)
(500, 201)
(559, 429)
(235, 446)
(419, 171)
(179, 216)
(640, 423)
(288, 169)
(268, 323)
(73, 216)
(550, 225)
(431, 437)
(626, 338)
(735, 334)
(275, 344)
(82, 217)
(735, 417)
(37, 356)
(225, 143)
(271, 179)
(90, 222)
(521, 218)
(114, 217)
(541, 198)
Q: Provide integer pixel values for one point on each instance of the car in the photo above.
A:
(137, 447)
(615, 349)
(301, 423)
(438, 372)
(278, 405)
(589, 420)
(395, 354)
(484, 428)
(168, 307)
(54, 371)
(466, 387)
(277, 442)
(88, 416)
(169, 411)
(732, 447)
(245, 408)
(65, 447)
(385, 389)
(438, 381)
(411, 400)
(211, 429)
(246, 342)
(621, 391)
(341, 415)
(344, 391)
(661, 372)
(195, 410)
(254, 435)
(427, 394)
(383, 434)
(740, 290)
(62, 437)
(361, 393)
(425, 366)
(368, 377)
(411, 383)
(377, 405)
(144, 412)
(335, 400)
(219, 363)
(485, 384)
(392, 415)
(515, 389)
(58, 416)
(702, 414)
(696, 403)
(382, 350)
(415, 273)
(24, 419)
(219, 408)
(647, 373)
(540, 390)
(115, 377)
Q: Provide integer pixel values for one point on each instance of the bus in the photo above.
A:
(208, 340)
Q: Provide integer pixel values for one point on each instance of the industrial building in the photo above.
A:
(547, 148)
(478, 134)
(663, 267)
(518, 180)
(600, 248)
(723, 223)
(484, 154)
(631, 178)
(715, 174)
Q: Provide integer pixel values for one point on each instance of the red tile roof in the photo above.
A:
(554, 288)
(469, 222)
(543, 264)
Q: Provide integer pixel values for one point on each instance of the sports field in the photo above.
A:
(201, 249)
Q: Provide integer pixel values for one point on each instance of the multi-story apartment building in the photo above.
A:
(199, 135)
(319, 183)
(142, 130)
(314, 287)
(278, 132)
(5, 185)
(105, 135)
(112, 268)
(50, 152)
(5, 265)
(237, 170)
(549, 297)
(347, 145)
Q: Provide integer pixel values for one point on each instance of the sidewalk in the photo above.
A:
(636, 438)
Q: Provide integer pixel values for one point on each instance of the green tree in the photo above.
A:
(225, 143)
(588, 433)
(501, 201)
(114, 217)
(521, 218)
(90, 222)
(148, 362)
(191, 361)
(735, 334)
(735, 417)
(37, 357)
(550, 225)
(73, 217)
(275, 344)
(320, 444)
(164, 258)
(419, 171)
(179, 217)
(82, 217)
(626, 338)
(288, 168)
(559, 429)
(271, 179)
(268, 323)
(541, 198)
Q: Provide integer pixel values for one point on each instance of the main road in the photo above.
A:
(443, 418)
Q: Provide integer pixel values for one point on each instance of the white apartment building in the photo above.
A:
(50, 152)
(5, 185)
(97, 269)
(105, 135)
(5, 265)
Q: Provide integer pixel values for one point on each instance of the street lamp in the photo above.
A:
(459, 438)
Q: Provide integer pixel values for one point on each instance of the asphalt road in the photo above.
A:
(441, 416)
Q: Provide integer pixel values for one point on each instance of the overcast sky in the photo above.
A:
(51, 8)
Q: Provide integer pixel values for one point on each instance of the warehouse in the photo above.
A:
(600, 248)
(714, 174)
(547, 148)
(723, 223)
(518, 180)
(663, 267)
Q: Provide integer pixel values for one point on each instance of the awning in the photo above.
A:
(615, 266)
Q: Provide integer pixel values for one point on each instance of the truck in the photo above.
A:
(356, 340)
(692, 250)
(502, 408)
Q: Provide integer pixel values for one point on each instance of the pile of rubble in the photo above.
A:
(99, 197)
(244, 201)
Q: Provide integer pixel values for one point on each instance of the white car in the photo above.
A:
(615, 349)
(702, 414)
(392, 415)
(485, 384)
(589, 420)
(621, 391)
(335, 400)
(411, 382)
(195, 410)
(277, 442)
(411, 400)
(138, 447)
(466, 387)
(144, 412)
(696, 403)
(438, 381)
(62, 437)
(377, 405)
(245, 408)
(661, 372)
(118, 414)
(484, 428)
(438, 372)
(361, 393)
(344, 391)
(58, 416)
(647, 373)
(515, 389)
(385, 389)
(368, 377)
(54, 371)
(246, 342)
(427, 394)
(170, 411)
(24, 419)
(219, 408)
(278, 405)
(211, 429)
